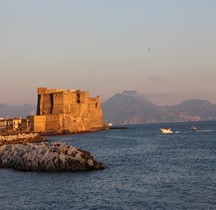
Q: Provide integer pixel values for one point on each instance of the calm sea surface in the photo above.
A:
(144, 170)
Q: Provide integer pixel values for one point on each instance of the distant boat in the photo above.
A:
(165, 130)
(193, 128)
(108, 125)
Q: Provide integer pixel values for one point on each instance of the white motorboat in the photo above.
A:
(108, 125)
(193, 128)
(165, 130)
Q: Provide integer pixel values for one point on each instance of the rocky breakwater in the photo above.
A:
(43, 157)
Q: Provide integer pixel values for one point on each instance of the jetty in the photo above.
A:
(118, 127)
(21, 138)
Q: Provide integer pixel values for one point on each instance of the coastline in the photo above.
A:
(21, 138)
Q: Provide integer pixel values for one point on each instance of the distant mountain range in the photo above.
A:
(23, 111)
(130, 108)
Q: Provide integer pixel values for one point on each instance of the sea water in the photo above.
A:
(144, 170)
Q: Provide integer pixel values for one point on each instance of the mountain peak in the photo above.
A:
(130, 92)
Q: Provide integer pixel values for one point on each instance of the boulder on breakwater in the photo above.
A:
(43, 157)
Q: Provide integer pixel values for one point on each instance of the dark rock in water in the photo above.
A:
(43, 157)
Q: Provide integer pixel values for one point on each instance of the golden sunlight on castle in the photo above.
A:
(62, 111)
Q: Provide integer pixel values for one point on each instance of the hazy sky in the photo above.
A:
(165, 49)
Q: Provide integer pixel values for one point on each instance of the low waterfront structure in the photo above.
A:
(14, 125)
(3, 124)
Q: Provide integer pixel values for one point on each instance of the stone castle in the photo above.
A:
(61, 111)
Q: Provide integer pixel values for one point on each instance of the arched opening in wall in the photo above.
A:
(78, 98)
(96, 105)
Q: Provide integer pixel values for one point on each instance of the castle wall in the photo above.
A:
(58, 107)
(53, 122)
(95, 111)
(37, 123)
(47, 104)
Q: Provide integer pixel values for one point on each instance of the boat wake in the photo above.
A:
(197, 131)
(206, 131)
